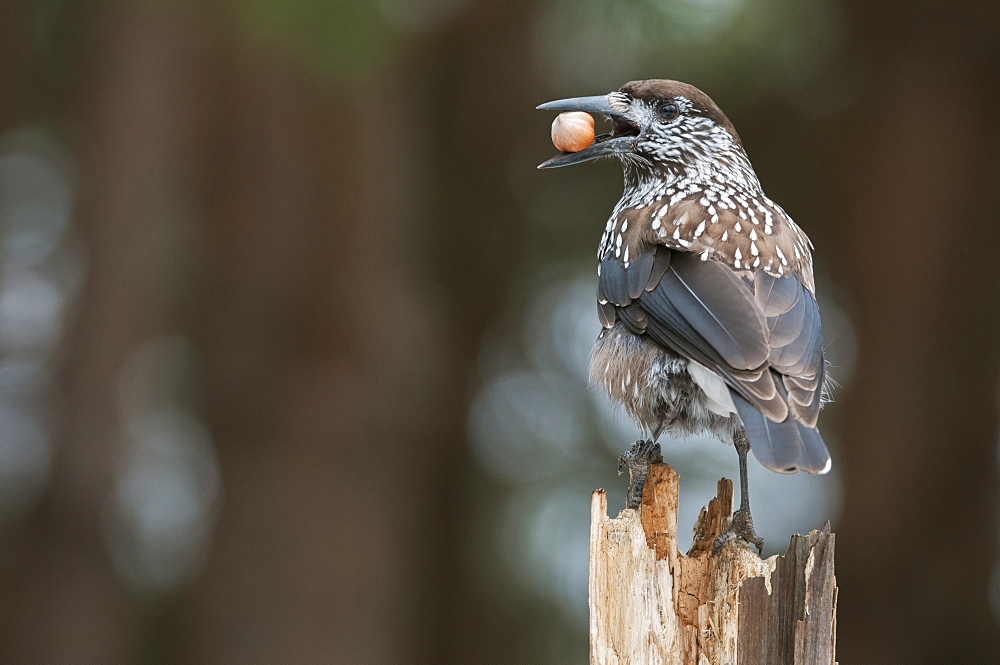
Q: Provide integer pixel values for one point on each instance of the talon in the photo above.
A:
(740, 526)
(638, 460)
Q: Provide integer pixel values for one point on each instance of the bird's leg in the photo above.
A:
(741, 524)
(638, 459)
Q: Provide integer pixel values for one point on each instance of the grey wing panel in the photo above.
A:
(695, 315)
(761, 333)
(717, 304)
(795, 335)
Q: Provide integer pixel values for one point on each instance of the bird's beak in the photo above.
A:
(621, 140)
(596, 104)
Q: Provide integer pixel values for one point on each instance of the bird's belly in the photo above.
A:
(659, 389)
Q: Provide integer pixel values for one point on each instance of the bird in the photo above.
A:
(706, 294)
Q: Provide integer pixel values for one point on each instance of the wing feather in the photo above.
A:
(713, 300)
(760, 332)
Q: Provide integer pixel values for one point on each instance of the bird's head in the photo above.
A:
(657, 125)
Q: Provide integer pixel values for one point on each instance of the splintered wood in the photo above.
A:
(651, 604)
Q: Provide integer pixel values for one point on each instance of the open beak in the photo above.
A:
(621, 140)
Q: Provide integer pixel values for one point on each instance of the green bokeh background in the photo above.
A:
(293, 336)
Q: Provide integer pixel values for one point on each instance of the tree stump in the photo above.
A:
(651, 604)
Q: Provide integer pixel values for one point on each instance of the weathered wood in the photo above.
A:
(651, 604)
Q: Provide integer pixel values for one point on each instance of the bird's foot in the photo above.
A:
(638, 459)
(740, 526)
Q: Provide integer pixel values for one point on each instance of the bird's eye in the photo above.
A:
(668, 111)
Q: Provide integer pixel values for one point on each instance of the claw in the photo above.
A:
(637, 460)
(740, 526)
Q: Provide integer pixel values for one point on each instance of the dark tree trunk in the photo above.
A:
(917, 539)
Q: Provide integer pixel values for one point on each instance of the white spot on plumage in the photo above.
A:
(707, 169)
(719, 401)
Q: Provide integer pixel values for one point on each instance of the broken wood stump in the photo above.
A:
(651, 604)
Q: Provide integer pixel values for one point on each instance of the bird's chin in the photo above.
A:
(606, 145)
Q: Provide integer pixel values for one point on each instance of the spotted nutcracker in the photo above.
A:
(705, 290)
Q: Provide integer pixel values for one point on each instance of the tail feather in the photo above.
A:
(785, 447)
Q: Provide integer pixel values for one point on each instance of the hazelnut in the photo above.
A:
(572, 131)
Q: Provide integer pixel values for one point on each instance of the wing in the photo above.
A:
(760, 332)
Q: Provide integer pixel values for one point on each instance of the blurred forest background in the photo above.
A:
(293, 335)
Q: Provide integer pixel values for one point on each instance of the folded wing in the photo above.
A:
(760, 332)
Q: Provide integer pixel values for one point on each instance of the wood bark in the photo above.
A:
(652, 604)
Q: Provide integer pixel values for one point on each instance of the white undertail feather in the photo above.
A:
(719, 400)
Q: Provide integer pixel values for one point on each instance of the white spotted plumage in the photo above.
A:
(706, 167)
